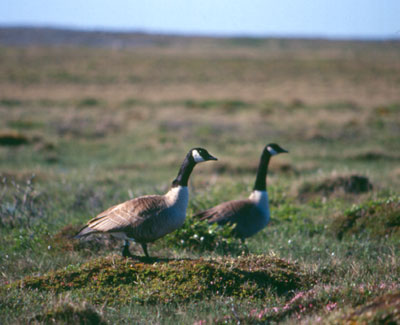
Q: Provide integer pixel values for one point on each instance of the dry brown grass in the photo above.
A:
(312, 75)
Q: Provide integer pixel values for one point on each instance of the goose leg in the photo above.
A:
(125, 249)
(144, 246)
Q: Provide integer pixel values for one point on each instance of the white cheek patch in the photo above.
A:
(271, 151)
(197, 157)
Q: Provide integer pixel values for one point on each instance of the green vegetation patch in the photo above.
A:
(197, 235)
(228, 105)
(116, 279)
(24, 124)
(10, 102)
(377, 218)
(89, 102)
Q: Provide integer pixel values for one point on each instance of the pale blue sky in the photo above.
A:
(333, 18)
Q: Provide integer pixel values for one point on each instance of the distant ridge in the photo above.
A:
(33, 36)
(48, 36)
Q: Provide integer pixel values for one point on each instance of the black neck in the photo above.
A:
(261, 179)
(184, 172)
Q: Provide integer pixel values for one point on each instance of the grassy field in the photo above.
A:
(82, 129)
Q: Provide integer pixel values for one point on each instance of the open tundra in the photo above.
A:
(82, 129)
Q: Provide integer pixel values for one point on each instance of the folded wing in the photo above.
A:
(130, 214)
(231, 211)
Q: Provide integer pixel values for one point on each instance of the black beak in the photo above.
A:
(284, 151)
(211, 158)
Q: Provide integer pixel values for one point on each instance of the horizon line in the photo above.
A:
(198, 34)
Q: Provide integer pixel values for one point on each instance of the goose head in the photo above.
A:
(198, 155)
(274, 149)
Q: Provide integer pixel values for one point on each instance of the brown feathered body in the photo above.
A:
(143, 219)
(249, 215)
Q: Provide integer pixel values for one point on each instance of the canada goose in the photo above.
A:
(250, 215)
(147, 218)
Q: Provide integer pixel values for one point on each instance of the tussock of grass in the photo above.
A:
(10, 102)
(24, 124)
(69, 313)
(229, 105)
(23, 207)
(374, 155)
(89, 102)
(12, 138)
(387, 110)
(376, 218)
(382, 310)
(351, 184)
(116, 279)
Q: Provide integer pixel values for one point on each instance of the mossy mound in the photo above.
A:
(116, 279)
(383, 310)
(376, 218)
(69, 314)
(349, 184)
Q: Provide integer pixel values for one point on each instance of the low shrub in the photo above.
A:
(200, 236)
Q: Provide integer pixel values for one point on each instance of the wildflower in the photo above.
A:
(200, 322)
(331, 306)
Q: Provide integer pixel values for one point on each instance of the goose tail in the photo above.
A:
(85, 231)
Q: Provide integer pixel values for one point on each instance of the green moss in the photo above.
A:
(376, 218)
(118, 280)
